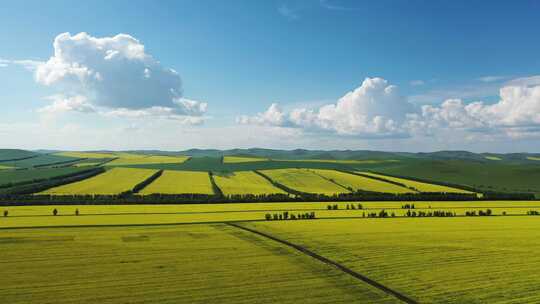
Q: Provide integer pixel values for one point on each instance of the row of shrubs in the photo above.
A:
(348, 207)
(289, 216)
(488, 212)
(436, 213)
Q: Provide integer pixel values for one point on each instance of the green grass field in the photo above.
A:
(419, 186)
(444, 260)
(7, 154)
(305, 181)
(17, 176)
(174, 264)
(356, 182)
(244, 182)
(178, 182)
(40, 160)
(491, 176)
(241, 159)
(114, 181)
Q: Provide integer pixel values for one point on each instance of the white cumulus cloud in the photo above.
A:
(375, 109)
(62, 104)
(516, 114)
(114, 73)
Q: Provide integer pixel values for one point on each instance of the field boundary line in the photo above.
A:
(226, 222)
(330, 180)
(327, 261)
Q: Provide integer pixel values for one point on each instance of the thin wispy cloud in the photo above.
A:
(417, 82)
(335, 6)
(288, 12)
(492, 78)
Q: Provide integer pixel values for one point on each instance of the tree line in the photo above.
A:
(22, 195)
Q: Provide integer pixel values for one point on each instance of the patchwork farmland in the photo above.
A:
(183, 244)
(247, 229)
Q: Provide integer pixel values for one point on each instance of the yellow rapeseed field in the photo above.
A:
(239, 159)
(356, 182)
(88, 154)
(420, 186)
(245, 182)
(304, 180)
(136, 159)
(178, 182)
(113, 181)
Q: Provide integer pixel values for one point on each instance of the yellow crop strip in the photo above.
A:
(113, 181)
(420, 186)
(533, 158)
(239, 159)
(245, 182)
(304, 180)
(95, 215)
(132, 159)
(179, 182)
(88, 154)
(356, 182)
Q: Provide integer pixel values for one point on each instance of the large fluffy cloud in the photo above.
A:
(116, 74)
(375, 109)
(516, 114)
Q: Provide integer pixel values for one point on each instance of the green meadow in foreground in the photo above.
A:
(432, 260)
(171, 264)
(114, 181)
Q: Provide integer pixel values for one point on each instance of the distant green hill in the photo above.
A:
(485, 175)
(15, 154)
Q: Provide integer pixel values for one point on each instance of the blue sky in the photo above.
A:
(240, 57)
